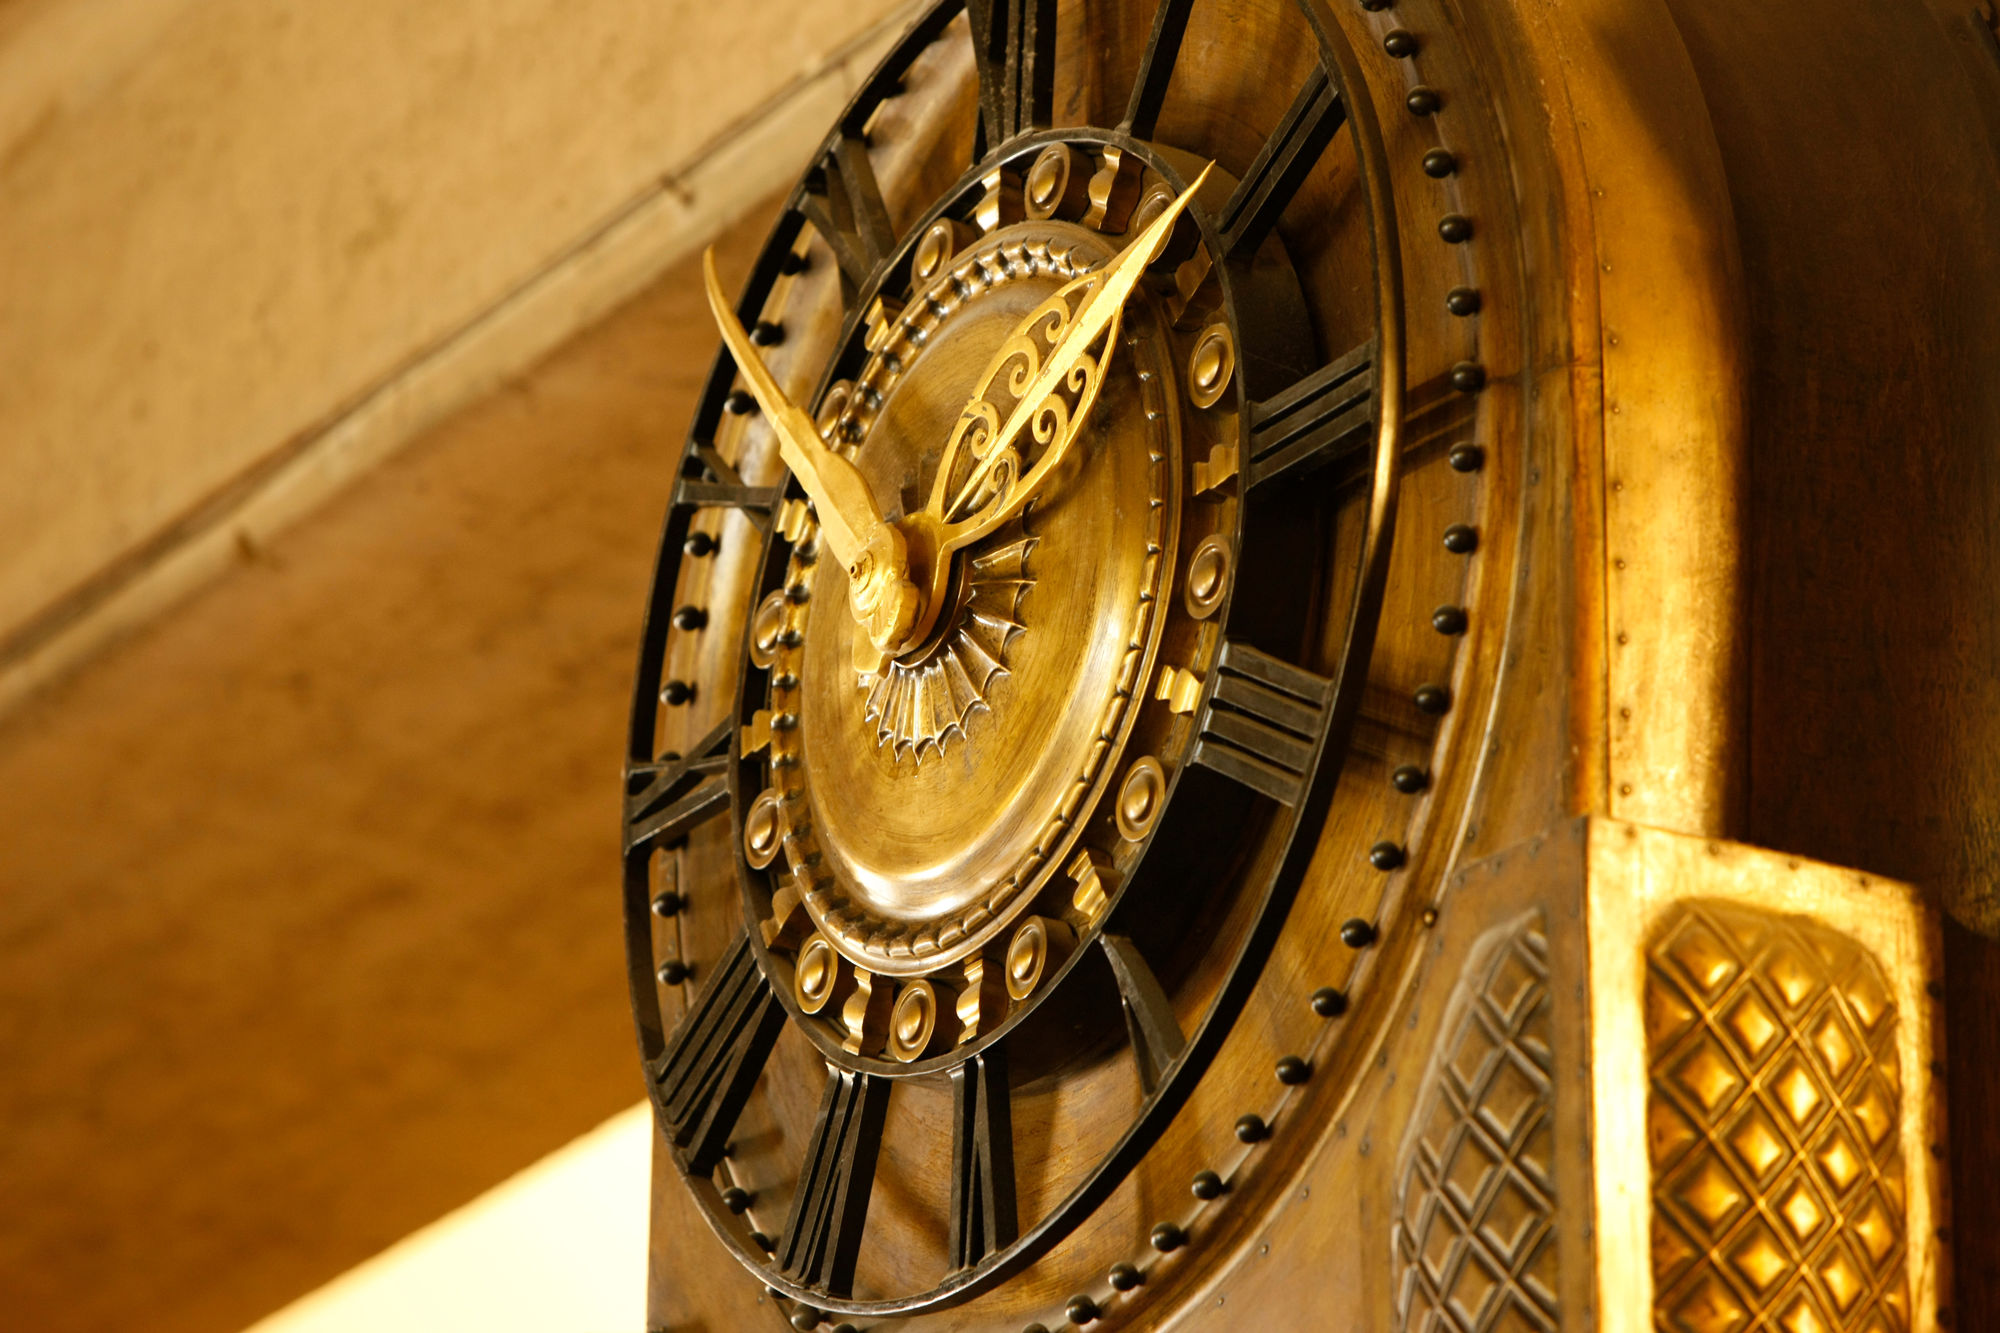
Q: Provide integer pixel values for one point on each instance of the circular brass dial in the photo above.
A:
(1030, 868)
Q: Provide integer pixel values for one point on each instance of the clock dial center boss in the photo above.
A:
(970, 609)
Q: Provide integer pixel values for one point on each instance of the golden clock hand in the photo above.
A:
(934, 533)
(1099, 313)
(868, 547)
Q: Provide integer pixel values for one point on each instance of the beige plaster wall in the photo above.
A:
(226, 225)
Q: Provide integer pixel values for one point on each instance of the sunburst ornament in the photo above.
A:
(918, 706)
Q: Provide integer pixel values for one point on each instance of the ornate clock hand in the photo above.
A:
(868, 547)
(1038, 382)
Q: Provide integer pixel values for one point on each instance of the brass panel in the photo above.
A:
(1772, 1115)
(1765, 1124)
(1474, 1238)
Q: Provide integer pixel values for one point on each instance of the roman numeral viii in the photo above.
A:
(823, 1236)
(1263, 722)
(712, 1060)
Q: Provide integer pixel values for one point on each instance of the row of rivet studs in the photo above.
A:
(1327, 1002)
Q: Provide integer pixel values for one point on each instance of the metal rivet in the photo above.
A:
(1468, 377)
(844, 1327)
(805, 1319)
(1376, 6)
(1329, 1003)
(1934, 989)
(1455, 228)
(673, 972)
(676, 692)
(1208, 1186)
(668, 904)
(1168, 1237)
(690, 618)
(1400, 44)
(1432, 699)
(1422, 101)
(1468, 458)
(766, 334)
(799, 592)
(1356, 933)
(740, 402)
(1439, 163)
(1430, 916)
(1385, 856)
(1462, 301)
(1036, 1328)
(1293, 1071)
(699, 544)
(1125, 1277)
(763, 1242)
(1409, 779)
(794, 262)
(1082, 1310)
(1252, 1129)
(1448, 620)
(1460, 539)
(736, 1200)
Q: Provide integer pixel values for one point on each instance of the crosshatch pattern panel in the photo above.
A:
(1474, 1241)
(1772, 1120)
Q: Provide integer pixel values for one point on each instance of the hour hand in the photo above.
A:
(869, 548)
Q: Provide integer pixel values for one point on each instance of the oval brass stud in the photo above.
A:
(1151, 203)
(934, 250)
(1208, 576)
(817, 981)
(1038, 947)
(913, 1022)
(767, 630)
(1211, 364)
(763, 830)
(1141, 797)
(1047, 185)
(831, 407)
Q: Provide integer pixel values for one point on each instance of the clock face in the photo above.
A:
(1012, 762)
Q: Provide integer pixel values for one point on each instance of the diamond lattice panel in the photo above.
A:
(1771, 1114)
(1474, 1243)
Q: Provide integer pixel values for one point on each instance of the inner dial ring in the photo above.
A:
(928, 806)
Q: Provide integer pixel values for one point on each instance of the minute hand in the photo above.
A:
(1097, 313)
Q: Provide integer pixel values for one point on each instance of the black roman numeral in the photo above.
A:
(1014, 45)
(714, 1057)
(982, 1154)
(1149, 1016)
(823, 1236)
(667, 797)
(1263, 722)
(722, 488)
(843, 201)
(1281, 166)
(1323, 417)
(1156, 67)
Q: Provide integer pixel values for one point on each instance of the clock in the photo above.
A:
(1046, 725)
